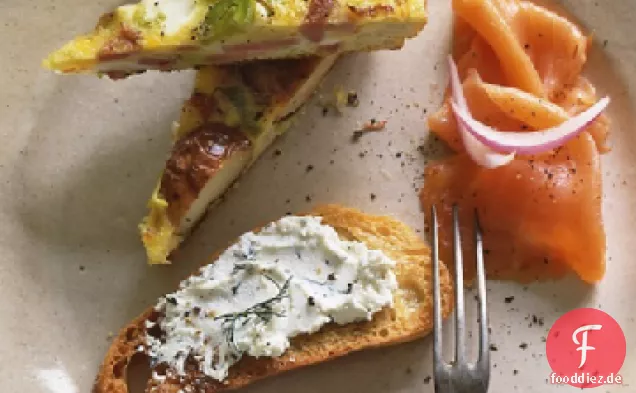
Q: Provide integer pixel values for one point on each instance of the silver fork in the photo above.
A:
(460, 376)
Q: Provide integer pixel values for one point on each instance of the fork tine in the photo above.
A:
(459, 376)
(459, 290)
(484, 350)
(437, 307)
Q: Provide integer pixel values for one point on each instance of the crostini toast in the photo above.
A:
(409, 317)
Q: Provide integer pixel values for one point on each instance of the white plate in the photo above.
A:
(80, 156)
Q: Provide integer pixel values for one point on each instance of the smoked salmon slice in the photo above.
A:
(520, 66)
(541, 216)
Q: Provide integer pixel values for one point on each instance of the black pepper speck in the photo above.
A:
(352, 99)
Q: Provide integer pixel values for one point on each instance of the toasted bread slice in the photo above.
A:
(179, 34)
(234, 114)
(408, 319)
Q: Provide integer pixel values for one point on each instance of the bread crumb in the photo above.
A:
(352, 99)
(340, 100)
(372, 125)
(174, 129)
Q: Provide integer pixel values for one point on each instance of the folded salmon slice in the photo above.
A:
(541, 216)
(520, 65)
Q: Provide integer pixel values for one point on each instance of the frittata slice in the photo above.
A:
(180, 34)
(234, 114)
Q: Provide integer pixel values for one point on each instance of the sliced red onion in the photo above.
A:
(479, 152)
(534, 142)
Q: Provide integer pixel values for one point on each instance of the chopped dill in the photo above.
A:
(263, 311)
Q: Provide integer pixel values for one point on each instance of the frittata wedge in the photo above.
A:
(235, 112)
(180, 34)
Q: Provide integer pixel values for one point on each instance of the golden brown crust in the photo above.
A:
(200, 153)
(410, 318)
(194, 160)
(205, 104)
(112, 373)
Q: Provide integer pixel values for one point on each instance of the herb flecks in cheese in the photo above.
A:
(292, 277)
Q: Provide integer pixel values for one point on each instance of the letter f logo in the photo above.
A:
(583, 344)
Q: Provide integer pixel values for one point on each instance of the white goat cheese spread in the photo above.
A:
(292, 277)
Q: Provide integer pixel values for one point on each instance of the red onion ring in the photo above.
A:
(479, 152)
(533, 142)
(491, 148)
